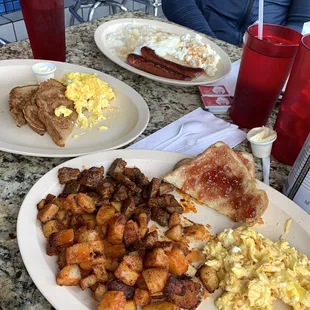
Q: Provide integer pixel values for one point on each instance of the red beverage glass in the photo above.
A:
(293, 121)
(264, 68)
(45, 23)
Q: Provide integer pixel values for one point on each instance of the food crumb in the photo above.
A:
(75, 136)
(153, 228)
(287, 225)
(103, 128)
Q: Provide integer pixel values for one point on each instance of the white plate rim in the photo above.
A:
(103, 28)
(138, 101)
(25, 223)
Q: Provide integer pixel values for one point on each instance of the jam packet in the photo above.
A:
(216, 104)
(211, 90)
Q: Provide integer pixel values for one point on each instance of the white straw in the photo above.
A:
(260, 19)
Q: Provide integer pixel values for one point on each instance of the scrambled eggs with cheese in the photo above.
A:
(253, 271)
(89, 94)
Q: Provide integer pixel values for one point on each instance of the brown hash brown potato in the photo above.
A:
(99, 229)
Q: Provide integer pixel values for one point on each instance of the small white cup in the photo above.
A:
(43, 71)
(260, 149)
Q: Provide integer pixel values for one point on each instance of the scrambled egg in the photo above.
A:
(253, 271)
(90, 95)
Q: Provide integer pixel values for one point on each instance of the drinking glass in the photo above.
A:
(45, 24)
(264, 68)
(293, 121)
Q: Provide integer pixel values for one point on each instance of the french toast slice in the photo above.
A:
(218, 178)
(51, 95)
(18, 98)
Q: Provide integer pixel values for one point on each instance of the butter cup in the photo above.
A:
(44, 75)
(260, 149)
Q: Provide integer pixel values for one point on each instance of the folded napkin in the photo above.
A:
(192, 134)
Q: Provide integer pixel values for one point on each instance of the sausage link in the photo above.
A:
(149, 66)
(150, 54)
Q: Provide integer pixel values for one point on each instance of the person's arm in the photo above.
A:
(188, 14)
(299, 13)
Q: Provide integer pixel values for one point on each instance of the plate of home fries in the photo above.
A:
(153, 230)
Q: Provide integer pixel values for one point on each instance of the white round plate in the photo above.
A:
(43, 269)
(127, 119)
(103, 30)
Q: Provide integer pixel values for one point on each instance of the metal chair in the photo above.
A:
(93, 5)
(150, 5)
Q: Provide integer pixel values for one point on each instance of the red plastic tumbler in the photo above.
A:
(264, 68)
(45, 23)
(293, 121)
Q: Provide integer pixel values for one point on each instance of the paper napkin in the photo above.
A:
(192, 143)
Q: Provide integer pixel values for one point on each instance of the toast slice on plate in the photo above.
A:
(51, 95)
(18, 98)
(218, 178)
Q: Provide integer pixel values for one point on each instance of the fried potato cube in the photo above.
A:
(69, 276)
(126, 274)
(99, 291)
(98, 260)
(79, 253)
(49, 228)
(58, 241)
(155, 279)
(142, 223)
(100, 272)
(86, 203)
(64, 217)
(90, 220)
(191, 271)
(161, 305)
(142, 297)
(174, 220)
(197, 232)
(48, 213)
(178, 263)
(111, 264)
(209, 278)
(117, 205)
(87, 266)
(140, 283)
(41, 204)
(114, 250)
(61, 262)
(151, 239)
(79, 203)
(130, 305)
(116, 229)
(112, 300)
(134, 262)
(131, 233)
(88, 281)
(88, 236)
(97, 247)
(175, 233)
(104, 214)
(156, 258)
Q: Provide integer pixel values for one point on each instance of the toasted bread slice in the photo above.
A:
(18, 98)
(218, 178)
(248, 160)
(50, 95)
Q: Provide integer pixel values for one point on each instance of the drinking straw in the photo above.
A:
(260, 19)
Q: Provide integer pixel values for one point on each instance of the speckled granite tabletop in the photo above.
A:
(18, 173)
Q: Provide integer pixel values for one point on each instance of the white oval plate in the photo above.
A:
(43, 269)
(125, 123)
(103, 30)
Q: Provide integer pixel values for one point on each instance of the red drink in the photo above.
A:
(293, 122)
(264, 68)
(45, 23)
